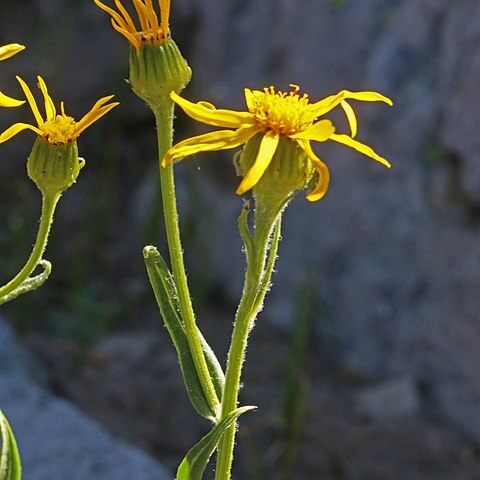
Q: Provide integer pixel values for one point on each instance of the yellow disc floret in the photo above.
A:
(282, 113)
(59, 130)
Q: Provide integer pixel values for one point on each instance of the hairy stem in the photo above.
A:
(250, 304)
(164, 120)
(49, 202)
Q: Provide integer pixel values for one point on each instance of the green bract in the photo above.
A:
(157, 70)
(54, 168)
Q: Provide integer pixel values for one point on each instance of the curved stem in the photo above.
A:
(251, 302)
(164, 120)
(49, 202)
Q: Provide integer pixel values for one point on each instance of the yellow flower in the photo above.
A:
(8, 51)
(152, 31)
(57, 129)
(275, 114)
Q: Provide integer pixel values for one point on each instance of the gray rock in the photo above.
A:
(390, 400)
(56, 440)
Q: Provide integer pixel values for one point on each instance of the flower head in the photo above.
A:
(8, 51)
(276, 116)
(157, 66)
(57, 129)
(153, 30)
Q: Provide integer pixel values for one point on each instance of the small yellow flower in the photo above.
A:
(275, 114)
(57, 129)
(152, 31)
(8, 51)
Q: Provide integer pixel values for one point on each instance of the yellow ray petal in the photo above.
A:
(205, 104)
(324, 106)
(17, 128)
(351, 117)
(249, 98)
(9, 102)
(130, 37)
(267, 149)
(152, 16)
(31, 101)
(115, 15)
(164, 14)
(322, 170)
(126, 16)
(217, 118)
(360, 147)
(221, 140)
(50, 110)
(142, 14)
(320, 131)
(93, 115)
(101, 103)
(10, 50)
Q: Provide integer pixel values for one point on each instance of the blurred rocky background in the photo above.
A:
(378, 284)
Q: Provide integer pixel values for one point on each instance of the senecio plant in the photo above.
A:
(53, 165)
(276, 162)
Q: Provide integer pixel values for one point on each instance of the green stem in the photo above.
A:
(164, 120)
(49, 202)
(250, 304)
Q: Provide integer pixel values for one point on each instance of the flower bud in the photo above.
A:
(156, 70)
(54, 167)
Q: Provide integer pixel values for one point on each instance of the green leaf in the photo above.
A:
(245, 232)
(165, 292)
(267, 275)
(10, 467)
(194, 464)
(31, 283)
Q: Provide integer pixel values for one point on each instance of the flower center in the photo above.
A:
(59, 130)
(284, 113)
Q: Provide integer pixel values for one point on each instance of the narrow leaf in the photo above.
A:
(30, 283)
(272, 256)
(165, 292)
(10, 466)
(245, 232)
(194, 464)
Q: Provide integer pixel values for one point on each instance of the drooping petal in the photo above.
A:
(324, 106)
(50, 109)
(320, 131)
(17, 128)
(211, 116)
(322, 171)
(360, 147)
(351, 117)
(10, 50)
(9, 102)
(266, 151)
(31, 101)
(97, 112)
(221, 140)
